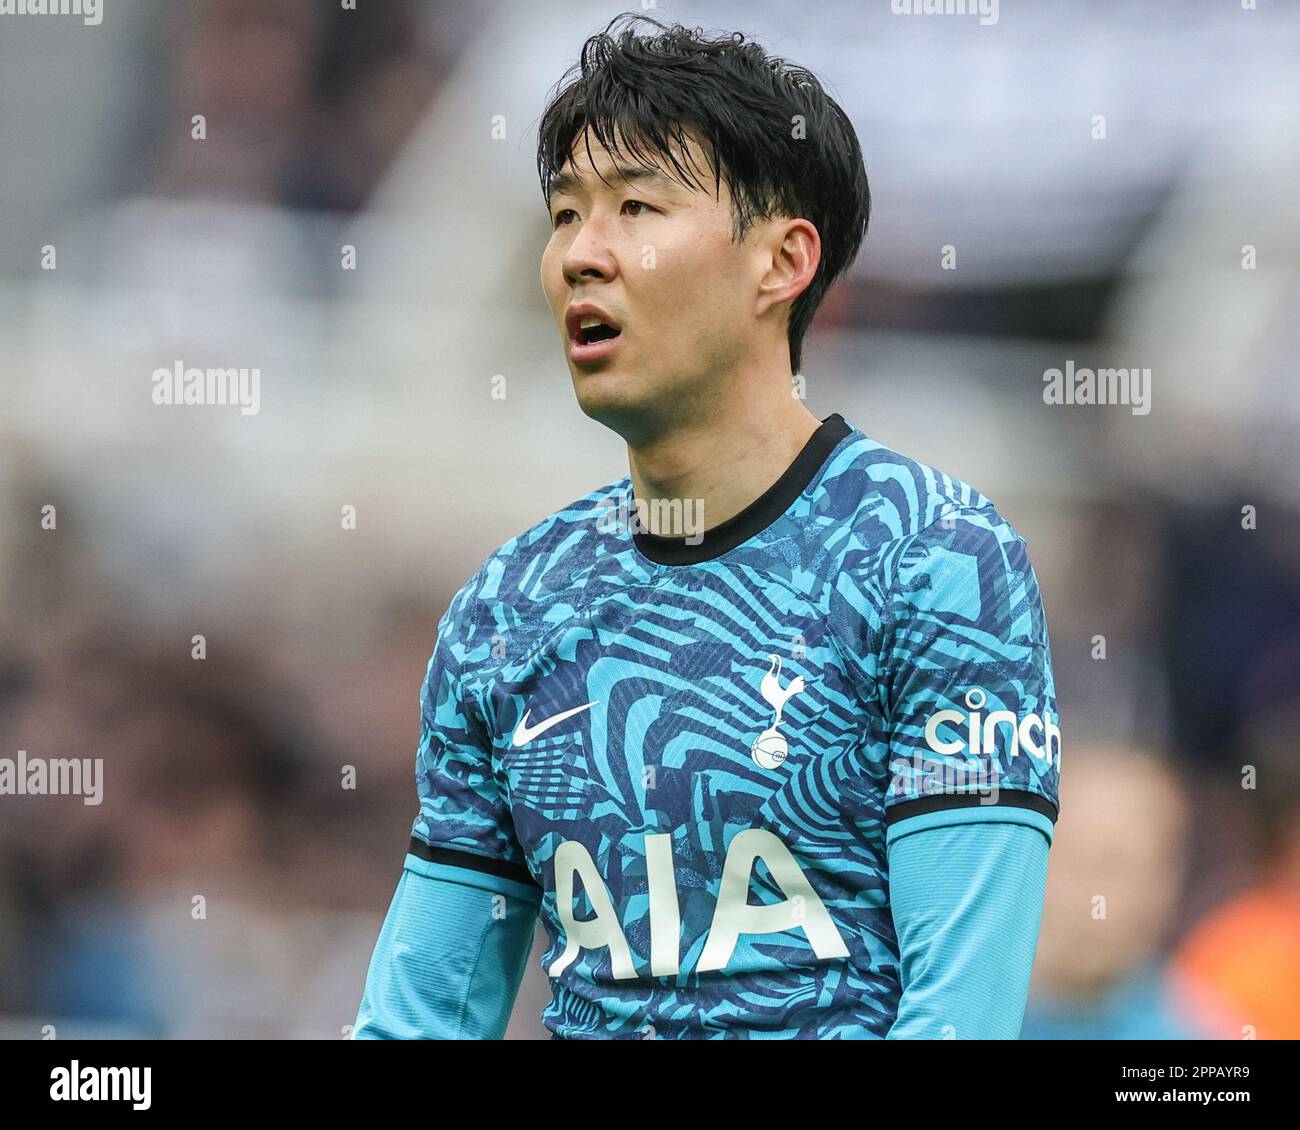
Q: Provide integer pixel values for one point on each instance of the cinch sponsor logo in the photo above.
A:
(981, 730)
(90, 11)
(101, 1084)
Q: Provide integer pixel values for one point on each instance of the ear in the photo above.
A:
(791, 251)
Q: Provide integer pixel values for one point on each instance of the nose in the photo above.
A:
(588, 256)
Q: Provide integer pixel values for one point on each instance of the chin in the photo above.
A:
(620, 402)
(604, 390)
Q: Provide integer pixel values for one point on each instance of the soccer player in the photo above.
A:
(766, 730)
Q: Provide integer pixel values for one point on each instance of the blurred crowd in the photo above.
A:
(258, 801)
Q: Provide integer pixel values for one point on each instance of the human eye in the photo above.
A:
(638, 204)
(557, 219)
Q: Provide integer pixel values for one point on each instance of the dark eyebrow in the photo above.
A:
(630, 174)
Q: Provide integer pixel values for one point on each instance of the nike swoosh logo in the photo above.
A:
(524, 733)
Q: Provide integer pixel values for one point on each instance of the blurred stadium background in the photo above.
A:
(374, 128)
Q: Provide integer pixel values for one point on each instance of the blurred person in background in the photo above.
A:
(302, 104)
(1115, 878)
(144, 908)
(1241, 963)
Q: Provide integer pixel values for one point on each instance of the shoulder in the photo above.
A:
(550, 556)
(917, 547)
(885, 495)
(897, 513)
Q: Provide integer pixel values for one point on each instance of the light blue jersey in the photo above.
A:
(699, 755)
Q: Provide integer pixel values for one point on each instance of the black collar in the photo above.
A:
(759, 514)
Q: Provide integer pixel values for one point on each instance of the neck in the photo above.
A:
(718, 463)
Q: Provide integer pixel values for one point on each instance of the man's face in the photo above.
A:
(657, 257)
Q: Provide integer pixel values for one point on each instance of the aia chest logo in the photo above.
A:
(770, 749)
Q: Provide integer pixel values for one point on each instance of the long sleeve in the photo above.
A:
(964, 678)
(967, 903)
(450, 956)
(453, 946)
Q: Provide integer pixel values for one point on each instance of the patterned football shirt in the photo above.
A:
(700, 753)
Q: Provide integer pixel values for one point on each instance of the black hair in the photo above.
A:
(652, 90)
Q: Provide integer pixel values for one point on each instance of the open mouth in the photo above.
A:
(589, 335)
